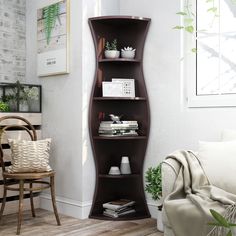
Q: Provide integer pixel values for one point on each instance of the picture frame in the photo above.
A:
(53, 32)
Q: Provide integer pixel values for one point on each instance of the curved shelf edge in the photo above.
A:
(119, 137)
(119, 176)
(119, 98)
(118, 60)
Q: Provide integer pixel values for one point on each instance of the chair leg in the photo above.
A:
(32, 200)
(21, 197)
(52, 186)
(3, 202)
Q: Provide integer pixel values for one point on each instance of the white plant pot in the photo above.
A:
(128, 54)
(160, 226)
(110, 54)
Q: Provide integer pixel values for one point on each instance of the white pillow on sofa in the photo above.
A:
(219, 163)
(228, 135)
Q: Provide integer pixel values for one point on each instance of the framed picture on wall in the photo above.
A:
(53, 26)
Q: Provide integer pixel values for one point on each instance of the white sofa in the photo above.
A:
(218, 158)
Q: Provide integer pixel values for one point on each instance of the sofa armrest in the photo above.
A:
(170, 170)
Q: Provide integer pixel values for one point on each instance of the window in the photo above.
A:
(215, 80)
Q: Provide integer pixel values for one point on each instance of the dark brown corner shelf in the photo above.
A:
(119, 98)
(107, 151)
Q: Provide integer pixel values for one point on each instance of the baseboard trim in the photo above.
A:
(66, 206)
(79, 209)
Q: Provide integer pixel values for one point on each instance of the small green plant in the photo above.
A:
(111, 46)
(153, 182)
(220, 221)
(50, 13)
(4, 106)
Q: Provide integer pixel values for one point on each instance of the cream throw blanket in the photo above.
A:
(187, 207)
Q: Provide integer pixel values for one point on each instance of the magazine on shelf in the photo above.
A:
(116, 215)
(118, 204)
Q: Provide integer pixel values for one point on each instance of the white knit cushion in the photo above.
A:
(228, 135)
(219, 162)
(29, 156)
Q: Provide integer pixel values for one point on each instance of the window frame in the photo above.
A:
(190, 74)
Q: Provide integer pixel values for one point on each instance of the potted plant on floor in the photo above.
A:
(154, 187)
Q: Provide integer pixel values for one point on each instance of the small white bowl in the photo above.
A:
(114, 170)
(110, 54)
(128, 54)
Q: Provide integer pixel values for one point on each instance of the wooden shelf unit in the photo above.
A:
(107, 151)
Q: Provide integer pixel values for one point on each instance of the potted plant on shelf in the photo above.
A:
(128, 52)
(153, 186)
(4, 107)
(111, 51)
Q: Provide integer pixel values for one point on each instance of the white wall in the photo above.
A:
(65, 106)
(173, 125)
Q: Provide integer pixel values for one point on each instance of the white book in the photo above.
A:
(118, 204)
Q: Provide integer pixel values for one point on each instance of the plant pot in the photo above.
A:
(128, 54)
(24, 106)
(160, 225)
(110, 54)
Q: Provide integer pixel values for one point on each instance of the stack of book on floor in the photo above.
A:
(118, 208)
(124, 128)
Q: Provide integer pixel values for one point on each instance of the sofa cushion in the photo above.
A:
(219, 163)
(228, 135)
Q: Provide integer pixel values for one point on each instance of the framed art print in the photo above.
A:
(53, 23)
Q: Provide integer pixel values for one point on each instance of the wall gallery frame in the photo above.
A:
(53, 27)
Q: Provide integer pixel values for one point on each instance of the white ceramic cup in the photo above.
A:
(114, 170)
(125, 166)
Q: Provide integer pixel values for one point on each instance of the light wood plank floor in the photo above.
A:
(45, 225)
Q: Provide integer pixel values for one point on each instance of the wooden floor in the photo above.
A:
(45, 225)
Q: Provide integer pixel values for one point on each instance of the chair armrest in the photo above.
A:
(170, 170)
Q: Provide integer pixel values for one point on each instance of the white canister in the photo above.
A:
(125, 166)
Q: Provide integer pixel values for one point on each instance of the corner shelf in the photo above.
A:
(107, 151)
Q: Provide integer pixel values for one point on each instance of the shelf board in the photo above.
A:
(132, 216)
(119, 98)
(119, 137)
(118, 60)
(119, 176)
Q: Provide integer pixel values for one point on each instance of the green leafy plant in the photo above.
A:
(220, 221)
(153, 180)
(4, 106)
(112, 45)
(50, 14)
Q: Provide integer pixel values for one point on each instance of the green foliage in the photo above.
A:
(50, 13)
(112, 45)
(153, 182)
(220, 221)
(4, 106)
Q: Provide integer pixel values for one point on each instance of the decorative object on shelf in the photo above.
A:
(114, 170)
(128, 52)
(115, 118)
(21, 97)
(111, 51)
(125, 166)
(111, 141)
(128, 86)
(118, 208)
(53, 38)
(4, 107)
(118, 87)
(124, 128)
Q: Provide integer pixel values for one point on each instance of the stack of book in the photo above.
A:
(118, 208)
(124, 128)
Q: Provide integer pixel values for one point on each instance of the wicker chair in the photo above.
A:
(24, 182)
